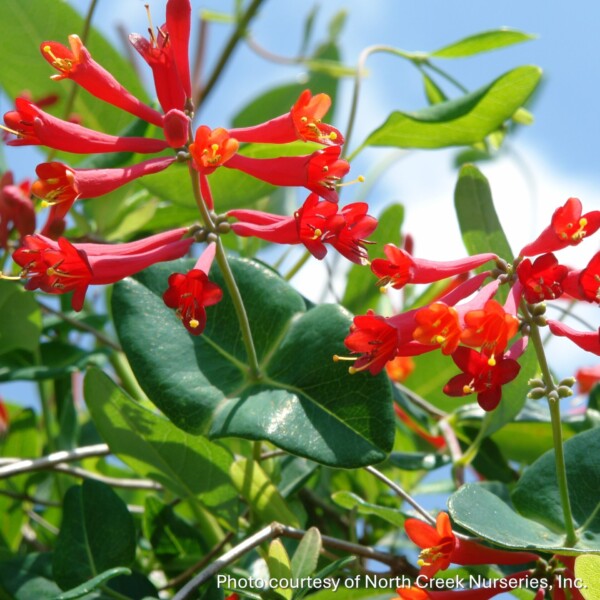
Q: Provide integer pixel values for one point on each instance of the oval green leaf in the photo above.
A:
(485, 41)
(304, 403)
(464, 121)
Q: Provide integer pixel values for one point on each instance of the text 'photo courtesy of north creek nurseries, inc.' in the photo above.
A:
(299, 300)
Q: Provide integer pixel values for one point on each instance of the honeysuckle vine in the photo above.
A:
(257, 388)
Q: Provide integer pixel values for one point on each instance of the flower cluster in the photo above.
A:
(58, 266)
(441, 547)
(478, 332)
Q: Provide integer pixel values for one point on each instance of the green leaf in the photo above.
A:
(303, 403)
(482, 42)
(172, 537)
(92, 584)
(27, 577)
(464, 121)
(536, 521)
(362, 292)
(278, 562)
(21, 322)
(306, 557)
(153, 447)
(587, 568)
(479, 224)
(261, 494)
(352, 501)
(433, 92)
(582, 461)
(24, 27)
(97, 533)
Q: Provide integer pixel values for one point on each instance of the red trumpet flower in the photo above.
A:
(542, 279)
(588, 340)
(61, 267)
(16, 209)
(440, 547)
(33, 126)
(401, 268)
(77, 64)
(303, 122)
(191, 292)
(60, 186)
(567, 228)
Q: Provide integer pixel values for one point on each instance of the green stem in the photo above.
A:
(128, 381)
(362, 59)
(446, 76)
(554, 406)
(234, 292)
(240, 309)
(301, 262)
(233, 41)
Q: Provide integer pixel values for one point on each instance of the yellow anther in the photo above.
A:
(383, 289)
(51, 271)
(333, 135)
(194, 323)
(304, 119)
(352, 371)
(440, 339)
(583, 222)
(492, 361)
(359, 179)
(214, 147)
(317, 234)
(467, 389)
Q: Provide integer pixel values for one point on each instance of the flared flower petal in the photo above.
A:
(319, 172)
(303, 122)
(401, 268)
(77, 64)
(589, 280)
(481, 376)
(489, 328)
(191, 292)
(59, 186)
(158, 54)
(438, 324)
(33, 126)
(542, 279)
(212, 148)
(568, 227)
(374, 339)
(586, 340)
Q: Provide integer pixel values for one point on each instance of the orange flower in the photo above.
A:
(438, 325)
(489, 328)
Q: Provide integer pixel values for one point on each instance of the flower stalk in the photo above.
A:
(554, 406)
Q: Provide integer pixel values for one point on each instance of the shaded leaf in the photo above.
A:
(21, 321)
(97, 533)
(92, 584)
(351, 501)
(153, 447)
(278, 562)
(305, 559)
(303, 403)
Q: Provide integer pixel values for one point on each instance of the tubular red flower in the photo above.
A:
(567, 228)
(34, 127)
(440, 547)
(589, 280)
(401, 268)
(191, 292)
(303, 122)
(179, 14)
(60, 186)
(588, 340)
(373, 338)
(319, 172)
(212, 148)
(77, 64)
(314, 224)
(16, 209)
(61, 267)
(158, 53)
(542, 279)
(489, 328)
(481, 377)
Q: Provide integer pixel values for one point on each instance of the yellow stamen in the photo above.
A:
(11, 131)
(63, 64)
(492, 361)
(12, 277)
(440, 339)
(194, 323)
(359, 179)
(333, 136)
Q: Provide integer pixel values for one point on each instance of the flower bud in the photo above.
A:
(564, 391)
(537, 393)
